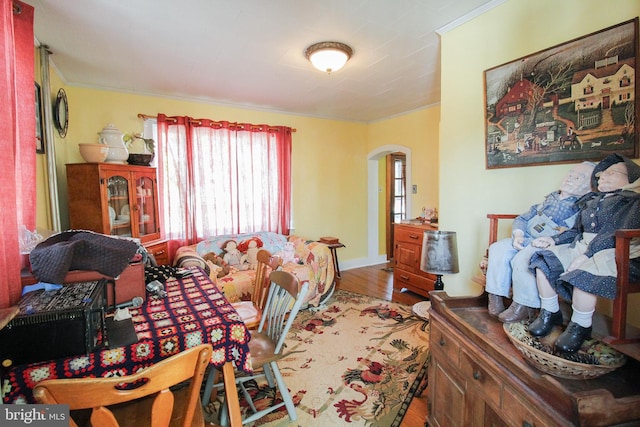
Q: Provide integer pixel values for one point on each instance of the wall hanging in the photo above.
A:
(572, 102)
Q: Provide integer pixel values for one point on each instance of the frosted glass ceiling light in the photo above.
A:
(328, 56)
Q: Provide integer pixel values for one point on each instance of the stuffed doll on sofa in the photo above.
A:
(232, 255)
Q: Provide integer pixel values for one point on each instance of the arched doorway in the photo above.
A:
(373, 195)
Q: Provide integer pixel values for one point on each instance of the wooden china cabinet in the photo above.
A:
(118, 200)
(406, 259)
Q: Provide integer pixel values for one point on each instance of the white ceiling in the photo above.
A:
(250, 53)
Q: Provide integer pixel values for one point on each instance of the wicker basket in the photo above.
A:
(609, 359)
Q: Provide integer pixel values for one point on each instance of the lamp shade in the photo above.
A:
(328, 56)
(439, 252)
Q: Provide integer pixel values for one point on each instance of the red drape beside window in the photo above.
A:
(221, 178)
(17, 141)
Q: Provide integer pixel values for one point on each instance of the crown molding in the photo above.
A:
(469, 16)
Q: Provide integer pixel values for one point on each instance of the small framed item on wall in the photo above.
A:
(572, 102)
(39, 123)
(61, 113)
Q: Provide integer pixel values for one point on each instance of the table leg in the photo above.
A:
(231, 395)
(336, 266)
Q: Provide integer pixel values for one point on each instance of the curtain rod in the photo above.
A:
(145, 117)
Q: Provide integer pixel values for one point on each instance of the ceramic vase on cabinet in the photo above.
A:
(111, 136)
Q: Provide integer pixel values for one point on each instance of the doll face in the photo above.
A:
(577, 181)
(613, 178)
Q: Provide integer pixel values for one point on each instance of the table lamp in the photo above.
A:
(439, 255)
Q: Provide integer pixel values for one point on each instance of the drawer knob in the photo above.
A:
(476, 375)
(526, 424)
(442, 341)
(414, 236)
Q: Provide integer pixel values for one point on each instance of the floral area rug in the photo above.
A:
(357, 362)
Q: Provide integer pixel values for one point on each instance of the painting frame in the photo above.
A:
(572, 102)
(40, 139)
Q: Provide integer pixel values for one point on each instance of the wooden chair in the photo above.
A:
(144, 398)
(251, 311)
(493, 237)
(624, 287)
(284, 300)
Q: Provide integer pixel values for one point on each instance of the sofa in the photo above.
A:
(234, 275)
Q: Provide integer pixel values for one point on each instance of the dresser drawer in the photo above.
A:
(477, 375)
(404, 279)
(159, 250)
(519, 412)
(409, 235)
(444, 341)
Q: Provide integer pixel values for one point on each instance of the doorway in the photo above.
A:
(396, 195)
(376, 219)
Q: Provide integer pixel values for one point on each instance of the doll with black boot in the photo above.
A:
(579, 264)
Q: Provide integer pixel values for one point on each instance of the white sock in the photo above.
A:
(550, 304)
(582, 318)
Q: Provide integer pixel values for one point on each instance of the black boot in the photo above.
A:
(545, 322)
(572, 338)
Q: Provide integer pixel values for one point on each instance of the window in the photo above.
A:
(222, 178)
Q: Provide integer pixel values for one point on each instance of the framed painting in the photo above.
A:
(572, 102)
(39, 123)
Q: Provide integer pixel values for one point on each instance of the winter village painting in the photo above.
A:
(575, 101)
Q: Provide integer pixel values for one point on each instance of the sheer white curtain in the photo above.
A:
(222, 178)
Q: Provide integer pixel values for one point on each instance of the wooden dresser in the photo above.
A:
(478, 378)
(406, 259)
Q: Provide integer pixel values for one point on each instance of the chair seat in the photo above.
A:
(262, 349)
(249, 313)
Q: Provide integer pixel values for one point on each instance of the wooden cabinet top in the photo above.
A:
(416, 226)
(614, 396)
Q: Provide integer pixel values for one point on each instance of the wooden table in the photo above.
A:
(336, 265)
(194, 312)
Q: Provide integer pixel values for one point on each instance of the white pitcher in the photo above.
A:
(111, 136)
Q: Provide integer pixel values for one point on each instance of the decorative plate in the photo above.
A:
(421, 309)
(594, 359)
(125, 210)
(112, 214)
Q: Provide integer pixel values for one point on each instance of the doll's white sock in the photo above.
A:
(550, 303)
(582, 318)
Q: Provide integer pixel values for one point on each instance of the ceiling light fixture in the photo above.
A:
(328, 56)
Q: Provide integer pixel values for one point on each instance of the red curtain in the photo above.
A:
(17, 141)
(221, 178)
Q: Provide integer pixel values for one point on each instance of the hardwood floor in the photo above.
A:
(377, 282)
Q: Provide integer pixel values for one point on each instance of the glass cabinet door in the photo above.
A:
(146, 205)
(118, 206)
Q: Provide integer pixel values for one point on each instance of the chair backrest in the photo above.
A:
(266, 264)
(624, 284)
(98, 393)
(283, 303)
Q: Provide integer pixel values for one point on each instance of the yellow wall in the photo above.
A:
(329, 170)
(468, 191)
